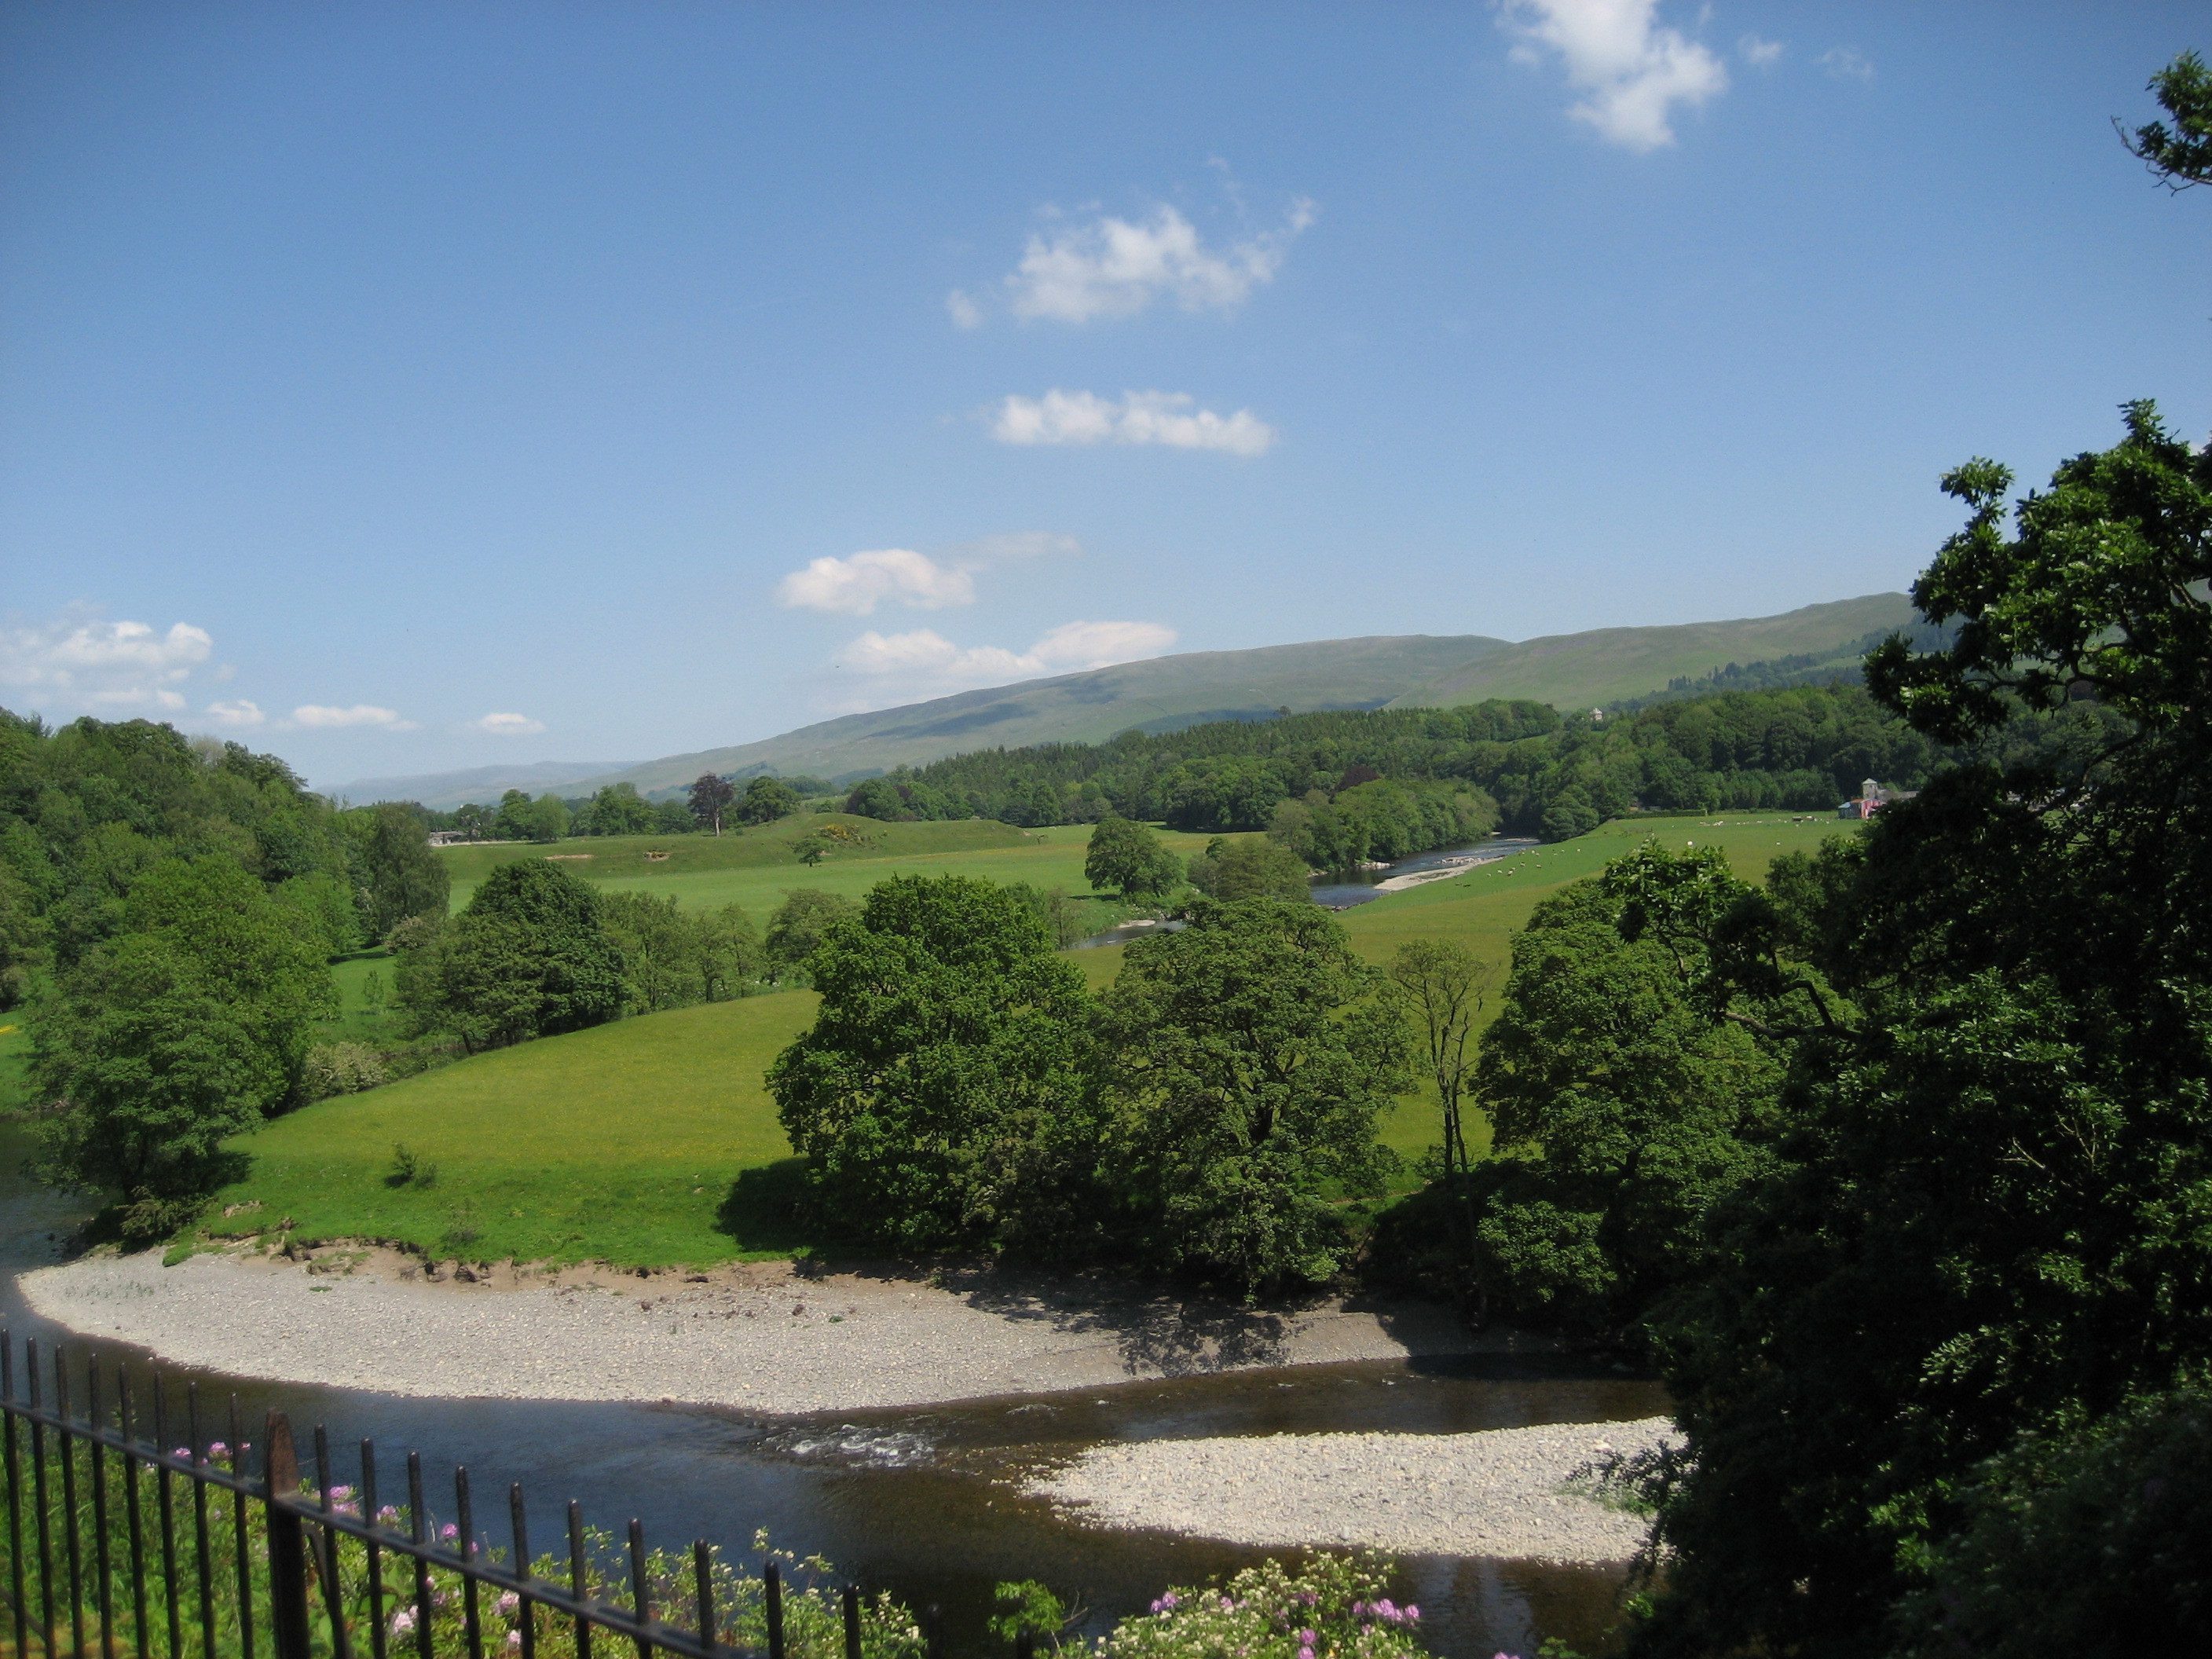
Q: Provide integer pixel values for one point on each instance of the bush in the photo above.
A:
(1335, 1605)
(340, 1068)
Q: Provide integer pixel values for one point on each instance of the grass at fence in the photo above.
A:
(212, 1615)
(653, 1142)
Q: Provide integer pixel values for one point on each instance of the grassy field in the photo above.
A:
(756, 869)
(631, 1142)
(652, 1141)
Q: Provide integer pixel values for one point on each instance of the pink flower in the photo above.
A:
(508, 1602)
(449, 1532)
(514, 1638)
(218, 1448)
(1307, 1638)
(403, 1621)
(1412, 1613)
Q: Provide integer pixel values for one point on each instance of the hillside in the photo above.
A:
(1159, 694)
(1590, 670)
(446, 790)
(1568, 670)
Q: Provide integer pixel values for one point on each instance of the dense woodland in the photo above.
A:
(1801, 748)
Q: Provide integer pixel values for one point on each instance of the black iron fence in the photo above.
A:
(183, 1545)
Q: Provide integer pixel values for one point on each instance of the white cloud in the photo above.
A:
(1113, 267)
(360, 714)
(510, 725)
(238, 712)
(1846, 63)
(1139, 418)
(1631, 70)
(1760, 54)
(933, 662)
(964, 310)
(80, 661)
(857, 584)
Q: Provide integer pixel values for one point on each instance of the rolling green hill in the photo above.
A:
(1587, 671)
(1568, 671)
(1160, 694)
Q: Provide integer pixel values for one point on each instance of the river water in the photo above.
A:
(918, 1501)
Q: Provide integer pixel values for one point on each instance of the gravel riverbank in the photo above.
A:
(765, 1337)
(1499, 1492)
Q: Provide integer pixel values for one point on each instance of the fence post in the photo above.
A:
(288, 1542)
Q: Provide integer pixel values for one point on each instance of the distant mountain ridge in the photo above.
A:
(446, 790)
(1568, 670)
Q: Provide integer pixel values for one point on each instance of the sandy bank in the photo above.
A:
(1496, 1492)
(767, 1338)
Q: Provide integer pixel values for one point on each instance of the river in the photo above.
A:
(918, 1501)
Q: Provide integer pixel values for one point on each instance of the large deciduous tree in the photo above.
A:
(710, 797)
(399, 874)
(1988, 1231)
(1251, 1056)
(1127, 857)
(940, 1098)
(192, 1024)
(529, 955)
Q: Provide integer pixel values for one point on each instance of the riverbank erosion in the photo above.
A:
(765, 1337)
(1521, 1493)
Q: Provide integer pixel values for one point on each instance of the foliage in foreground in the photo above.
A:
(1985, 1233)
(1335, 1605)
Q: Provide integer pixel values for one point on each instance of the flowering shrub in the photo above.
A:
(1338, 1608)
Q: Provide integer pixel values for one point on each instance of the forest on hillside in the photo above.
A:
(1799, 748)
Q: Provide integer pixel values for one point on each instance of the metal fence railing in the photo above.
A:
(183, 1546)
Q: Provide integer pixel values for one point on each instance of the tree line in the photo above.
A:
(168, 913)
(1797, 748)
(709, 804)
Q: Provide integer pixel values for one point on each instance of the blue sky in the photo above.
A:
(406, 387)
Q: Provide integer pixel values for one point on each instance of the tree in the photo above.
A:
(673, 957)
(2180, 155)
(529, 955)
(767, 800)
(811, 848)
(1252, 1056)
(1251, 867)
(616, 810)
(190, 1024)
(398, 872)
(1129, 857)
(147, 1088)
(1445, 985)
(476, 822)
(799, 925)
(1986, 1226)
(545, 819)
(938, 1097)
(1626, 1110)
(710, 797)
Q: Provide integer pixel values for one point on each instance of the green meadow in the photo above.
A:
(652, 1142)
(756, 869)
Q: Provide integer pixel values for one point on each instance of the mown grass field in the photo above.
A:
(653, 1142)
